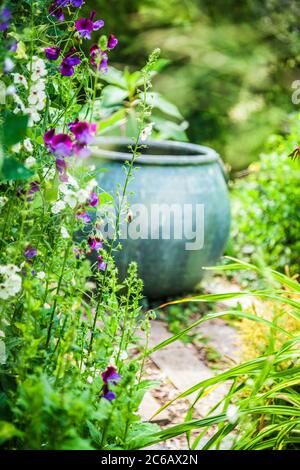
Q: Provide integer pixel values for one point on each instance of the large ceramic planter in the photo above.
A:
(173, 246)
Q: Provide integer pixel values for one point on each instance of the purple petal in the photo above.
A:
(56, 11)
(30, 252)
(111, 375)
(66, 70)
(110, 396)
(98, 24)
(72, 60)
(94, 200)
(52, 53)
(77, 3)
(112, 42)
(48, 136)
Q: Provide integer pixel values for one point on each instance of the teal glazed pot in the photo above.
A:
(180, 210)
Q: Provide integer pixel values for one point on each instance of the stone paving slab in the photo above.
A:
(219, 285)
(181, 365)
(149, 406)
(222, 337)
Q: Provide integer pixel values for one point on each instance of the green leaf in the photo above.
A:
(14, 128)
(158, 102)
(113, 95)
(115, 77)
(7, 431)
(170, 129)
(13, 170)
(112, 121)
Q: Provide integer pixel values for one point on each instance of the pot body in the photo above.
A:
(180, 217)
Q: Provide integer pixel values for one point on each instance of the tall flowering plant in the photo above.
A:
(65, 328)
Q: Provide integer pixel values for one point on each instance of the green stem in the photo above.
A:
(119, 211)
(57, 292)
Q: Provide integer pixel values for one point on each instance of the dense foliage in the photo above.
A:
(231, 66)
(265, 206)
(68, 378)
(73, 338)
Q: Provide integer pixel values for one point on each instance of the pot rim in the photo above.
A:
(202, 154)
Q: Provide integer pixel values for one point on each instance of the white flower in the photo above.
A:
(2, 92)
(71, 199)
(40, 105)
(89, 379)
(72, 181)
(38, 69)
(20, 105)
(47, 306)
(91, 185)
(3, 201)
(28, 145)
(41, 275)
(16, 148)
(10, 90)
(232, 413)
(8, 65)
(64, 232)
(58, 207)
(48, 173)
(82, 196)
(36, 96)
(11, 282)
(20, 79)
(123, 355)
(30, 162)
(33, 116)
(38, 86)
(2, 334)
(2, 352)
(147, 132)
(69, 195)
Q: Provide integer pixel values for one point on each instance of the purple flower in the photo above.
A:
(56, 10)
(78, 252)
(34, 187)
(112, 42)
(48, 136)
(65, 3)
(61, 166)
(52, 53)
(83, 131)
(81, 150)
(101, 264)
(85, 26)
(110, 376)
(30, 252)
(94, 200)
(110, 396)
(68, 63)
(95, 243)
(62, 3)
(14, 46)
(61, 145)
(5, 16)
(77, 3)
(99, 59)
(83, 216)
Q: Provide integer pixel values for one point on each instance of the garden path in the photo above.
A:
(179, 366)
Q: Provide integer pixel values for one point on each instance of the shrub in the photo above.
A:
(261, 408)
(265, 207)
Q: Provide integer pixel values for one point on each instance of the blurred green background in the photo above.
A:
(229, 68)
